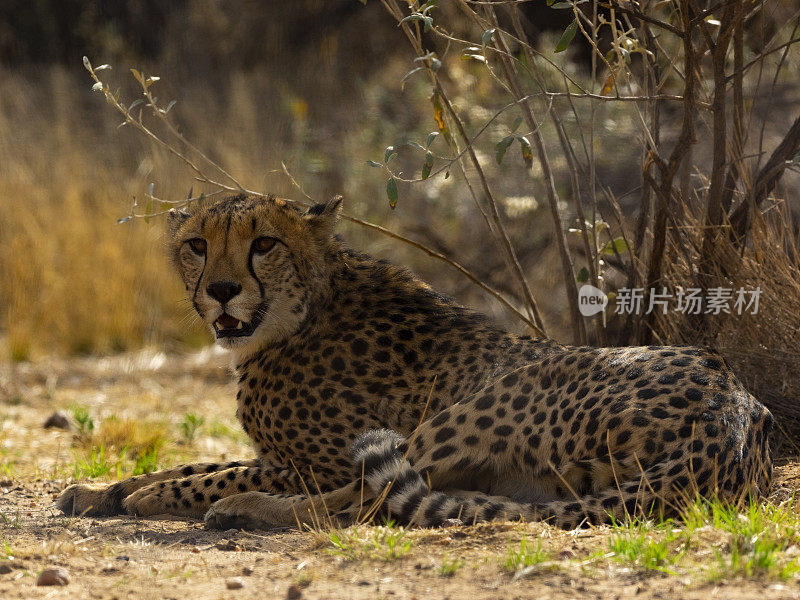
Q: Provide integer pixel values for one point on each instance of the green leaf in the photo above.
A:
(527, 155)
(425, 19)
(86, 63)
(431, 137)
(372, 163)
(615, 246)
(567, 36)
(102, 67)
(137, 76)
(170, 105)
(426, 168)
(517, 123)
(583, 275)
(147, 210)
(390, 152)
(416, 145)
(561, 5)
(364, 2)
(124, 220)
(487, 36)
(134, 104)
(478, 57)
(391, 192)
(502, 146)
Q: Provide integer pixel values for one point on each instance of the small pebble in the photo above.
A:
(58, 420)
(234, 583)
(228, 546)
(294, 593)
(247, 571)
(53, 576)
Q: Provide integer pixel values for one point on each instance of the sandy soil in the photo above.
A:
(131, 558)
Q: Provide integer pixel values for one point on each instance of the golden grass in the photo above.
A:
(761, 348)
(132, 434)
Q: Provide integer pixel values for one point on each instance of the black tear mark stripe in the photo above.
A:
(197, 285)
(253, 272)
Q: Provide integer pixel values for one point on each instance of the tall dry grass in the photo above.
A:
(762, 348)
(71, 281)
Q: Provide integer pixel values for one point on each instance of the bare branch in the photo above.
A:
(766, 180)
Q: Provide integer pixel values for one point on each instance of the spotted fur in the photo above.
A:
(358, 383)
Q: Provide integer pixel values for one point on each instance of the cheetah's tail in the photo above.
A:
(410, 500)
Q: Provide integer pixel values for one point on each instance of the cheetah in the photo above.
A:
(361, 387)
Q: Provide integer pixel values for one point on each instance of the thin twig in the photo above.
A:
(568, 269)
(510, 254)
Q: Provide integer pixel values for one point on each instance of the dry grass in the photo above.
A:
(71, 281)
(762, 347)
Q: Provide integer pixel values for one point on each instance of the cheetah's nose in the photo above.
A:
(223, 291)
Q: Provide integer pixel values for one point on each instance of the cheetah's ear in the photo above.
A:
(323, 216)
(175, 218)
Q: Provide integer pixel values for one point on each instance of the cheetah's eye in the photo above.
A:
(263, 245)
(198, 246)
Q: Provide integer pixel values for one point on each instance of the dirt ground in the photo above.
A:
(124, 557)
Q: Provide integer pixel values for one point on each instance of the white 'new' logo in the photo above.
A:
(591, 300)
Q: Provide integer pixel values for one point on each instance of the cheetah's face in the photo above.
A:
(252, 266)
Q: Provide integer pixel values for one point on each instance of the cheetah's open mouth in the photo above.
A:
(227, 326)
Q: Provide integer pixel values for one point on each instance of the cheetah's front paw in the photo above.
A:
(91, 500)
(161, 499)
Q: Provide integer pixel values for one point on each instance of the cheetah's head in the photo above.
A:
(253, 266)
